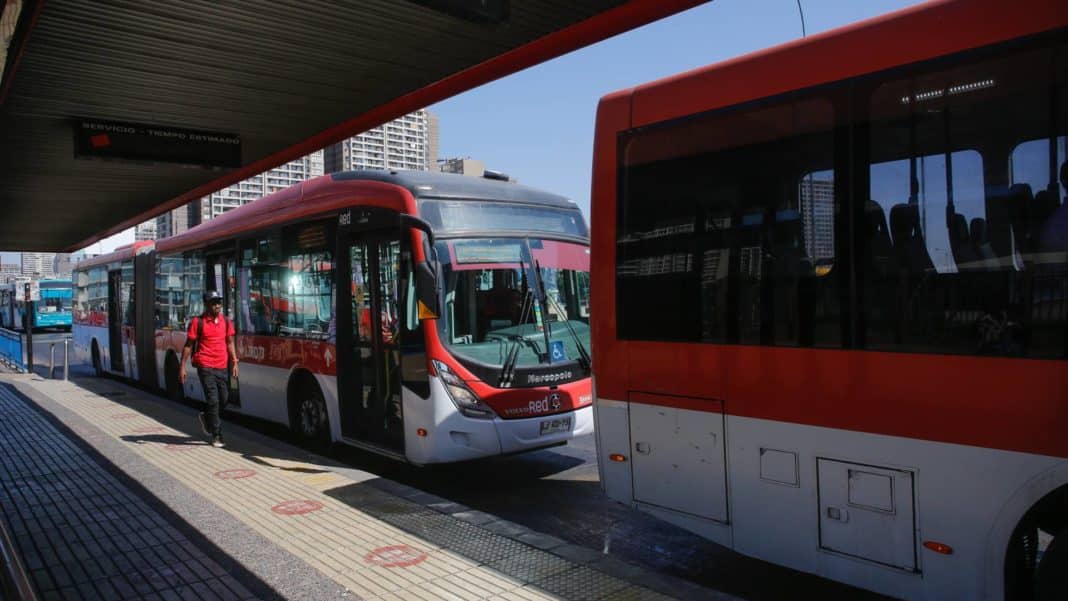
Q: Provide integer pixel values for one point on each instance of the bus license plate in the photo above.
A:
(551, 426)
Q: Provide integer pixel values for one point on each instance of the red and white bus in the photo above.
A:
(830, 313)
(504, 369)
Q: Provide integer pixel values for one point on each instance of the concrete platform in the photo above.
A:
(96, 470)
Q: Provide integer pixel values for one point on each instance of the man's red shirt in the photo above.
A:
(211, 351)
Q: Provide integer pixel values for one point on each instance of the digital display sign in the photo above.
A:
(155, 143)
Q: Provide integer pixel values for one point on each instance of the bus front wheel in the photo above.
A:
(309, 419)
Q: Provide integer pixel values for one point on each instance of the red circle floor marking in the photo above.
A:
(178, 448)
(125, 415)
(148, 430)
(297, 507)
(395, 556)
(234, 474)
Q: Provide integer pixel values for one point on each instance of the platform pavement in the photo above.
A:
(286, 523)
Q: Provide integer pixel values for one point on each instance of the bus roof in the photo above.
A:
(396, 190)
(901, 37)
(126, 251)
(450, 186)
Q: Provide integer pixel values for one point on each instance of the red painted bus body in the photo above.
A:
(481, 380)
(831, 300)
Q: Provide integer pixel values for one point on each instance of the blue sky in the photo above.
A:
(537, 125)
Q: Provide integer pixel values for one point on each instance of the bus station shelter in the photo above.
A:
(112, 113)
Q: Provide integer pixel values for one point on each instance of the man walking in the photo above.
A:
(212, 335)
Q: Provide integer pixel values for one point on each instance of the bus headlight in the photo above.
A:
(463, 397)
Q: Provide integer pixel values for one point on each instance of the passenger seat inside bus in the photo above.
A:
(964, 252)
(1006, 208)
(981, 242)
(879, 244)
(909, 245)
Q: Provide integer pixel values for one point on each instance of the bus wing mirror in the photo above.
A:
(427, 294)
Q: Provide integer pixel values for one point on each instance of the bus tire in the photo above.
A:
(1051, 578)
(98, 369)
(175, 390)
(308, 416)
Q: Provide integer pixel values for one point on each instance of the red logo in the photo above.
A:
(234, 474)
(396, 556)
(100, 141)
(297, 507)
(125, 415)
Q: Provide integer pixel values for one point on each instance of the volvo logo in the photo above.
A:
(554, 400)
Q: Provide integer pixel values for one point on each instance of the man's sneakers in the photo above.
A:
(216, 441)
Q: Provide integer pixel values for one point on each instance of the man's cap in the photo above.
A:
(212, 296)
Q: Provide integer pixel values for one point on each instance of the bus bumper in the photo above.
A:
(525, 434)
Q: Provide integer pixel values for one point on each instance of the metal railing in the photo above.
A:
(52, 359)
(11, 351)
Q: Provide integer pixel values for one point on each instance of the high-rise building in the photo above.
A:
(9, 271)
(178, 220)
(407, 143)
(433, 143)
(261, 185)
(61, 265)
(38, 264)
(817, 217)
(145, 231)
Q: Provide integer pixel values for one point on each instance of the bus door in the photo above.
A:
(221, 273)
(145, 319)
(369, 358)
(115, 320)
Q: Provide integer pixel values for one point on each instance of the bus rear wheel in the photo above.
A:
(309, 418)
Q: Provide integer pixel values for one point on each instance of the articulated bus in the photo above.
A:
(830, 313)
(464, 329)
(53, 310)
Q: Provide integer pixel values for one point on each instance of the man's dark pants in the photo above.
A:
(216, 385)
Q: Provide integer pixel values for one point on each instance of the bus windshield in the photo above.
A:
(493, 307)
(55, 300)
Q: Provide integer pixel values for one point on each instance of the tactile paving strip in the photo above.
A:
(581, 584)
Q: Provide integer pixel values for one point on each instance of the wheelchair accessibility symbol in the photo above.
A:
(556, 351)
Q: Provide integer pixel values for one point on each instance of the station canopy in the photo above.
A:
(114, 112)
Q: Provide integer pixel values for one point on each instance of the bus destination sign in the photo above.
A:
(140, 142)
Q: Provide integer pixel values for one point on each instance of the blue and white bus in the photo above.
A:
(53, 310)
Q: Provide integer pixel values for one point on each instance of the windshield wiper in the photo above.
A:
(542, 298)
(516, 342)
(584, 355)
